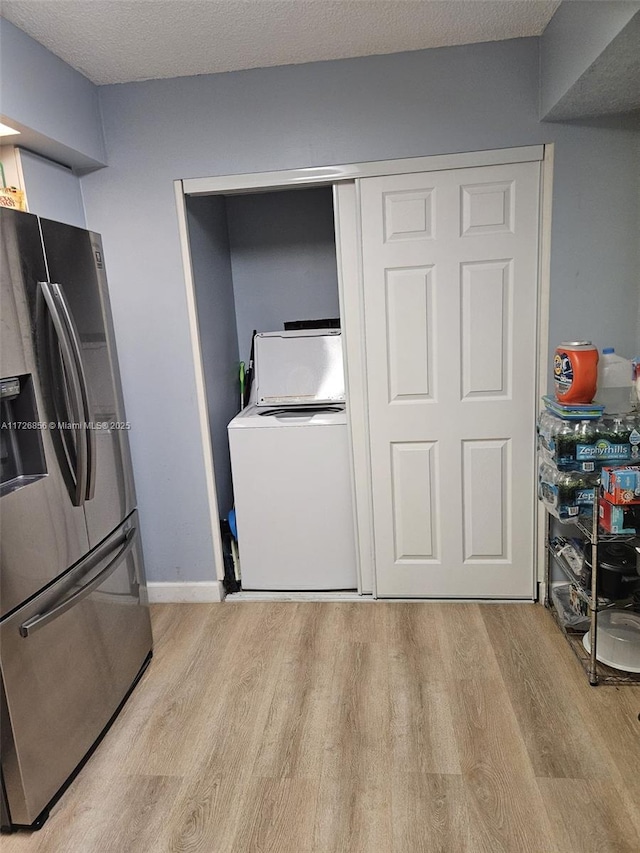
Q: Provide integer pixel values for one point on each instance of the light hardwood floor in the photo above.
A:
(353, 727)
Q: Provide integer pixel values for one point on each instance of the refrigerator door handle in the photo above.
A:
(41, 619)
(70, 349)
(88, 431)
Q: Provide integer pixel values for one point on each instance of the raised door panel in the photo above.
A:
(415, 501)
(408, 215)
(487, 208)
(487, 329)
(487, 500)
(410, 333)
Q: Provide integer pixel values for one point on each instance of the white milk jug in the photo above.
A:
(614, 382)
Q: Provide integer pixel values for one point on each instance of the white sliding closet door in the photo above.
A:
(450, 269)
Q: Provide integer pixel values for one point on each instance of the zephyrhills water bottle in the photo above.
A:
(585, 437)
(613, 444)
(633, 422)
(565, 445)
(547, 427)
(615, 377)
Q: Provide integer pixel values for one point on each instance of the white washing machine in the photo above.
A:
(292, 489)
(292, 483)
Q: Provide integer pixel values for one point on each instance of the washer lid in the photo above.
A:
(299, 368)
(254, 417)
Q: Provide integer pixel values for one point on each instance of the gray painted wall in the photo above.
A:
(283, 257)
(420, 103)
(208, 236)
(51, 100)
(573, 40)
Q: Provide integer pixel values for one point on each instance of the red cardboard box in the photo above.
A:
(611, 518)
(621, 486)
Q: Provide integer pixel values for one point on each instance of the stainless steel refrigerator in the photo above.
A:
(75, 634)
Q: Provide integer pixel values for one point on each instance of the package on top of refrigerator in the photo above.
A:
(12, 197)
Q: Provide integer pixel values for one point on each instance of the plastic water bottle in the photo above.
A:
(614, 382)
(633, 423)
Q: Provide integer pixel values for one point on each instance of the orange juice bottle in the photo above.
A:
(575, 372)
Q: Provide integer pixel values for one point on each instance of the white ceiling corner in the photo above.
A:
(118, 41)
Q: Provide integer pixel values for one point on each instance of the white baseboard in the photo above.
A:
(296, 596)
(192, 592)
(354, 596)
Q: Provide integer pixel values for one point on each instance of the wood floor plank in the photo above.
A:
(114, 817)
(606, 718)
(357, 624)
(292, 742)
(423, 629)
(207, 814)
(613, 719)
(590, 816)
(178, 631)
(622, 737)
(353, 810)
(466, 649)
(423, 738)
(353, 815)
(280, 816)
(558, 741)
(358, 728)
(430, 814)
(171, 739)
(504, 802)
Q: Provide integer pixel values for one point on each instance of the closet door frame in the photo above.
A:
(351, 296)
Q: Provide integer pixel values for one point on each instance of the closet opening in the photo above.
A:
(265, 262)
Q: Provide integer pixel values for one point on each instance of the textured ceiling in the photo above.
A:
(117, 41)
(610, 85)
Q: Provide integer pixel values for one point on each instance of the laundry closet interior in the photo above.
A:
(260, 260)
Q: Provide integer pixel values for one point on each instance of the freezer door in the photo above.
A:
(43, 532)
(68, 658)
(78, 290)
